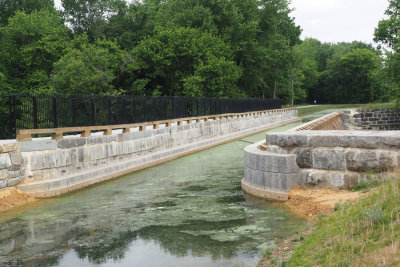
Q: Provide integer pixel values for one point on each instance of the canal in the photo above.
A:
(187, 212)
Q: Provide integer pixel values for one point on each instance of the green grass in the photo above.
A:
(365, 233)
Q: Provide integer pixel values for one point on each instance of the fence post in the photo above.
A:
(92, 107)
(13, 119)
(73, 110)
(109, 109)
(55, 117)
(123, 109)
(35, 119)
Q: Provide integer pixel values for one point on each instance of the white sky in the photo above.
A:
(336, 20)
(339, 20)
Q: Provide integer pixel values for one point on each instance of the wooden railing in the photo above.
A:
(58, 133)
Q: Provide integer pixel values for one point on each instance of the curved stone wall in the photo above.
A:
(323, 159)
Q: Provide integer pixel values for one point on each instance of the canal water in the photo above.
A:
(187, 212)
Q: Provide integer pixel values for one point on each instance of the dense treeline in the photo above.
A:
(214, 48)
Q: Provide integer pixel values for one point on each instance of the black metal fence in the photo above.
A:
(53, 111)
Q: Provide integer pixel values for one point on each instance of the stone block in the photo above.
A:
(292, 140)
(16, 158)
(43, 160)
(72, 142)
(14, 168)
(337, 180)
(304, 157)
(271, 139)
(254, 178)
(269, 162)
(324, 140)
(369, 160)
(309, 180)
(3, 174)
(10, 147)
(329, 159)
(361, 141)
(14, 181)
(3, 184)
(351, 180)
(5, 161)
(38, 145)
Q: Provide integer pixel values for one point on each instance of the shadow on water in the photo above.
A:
(187, 212)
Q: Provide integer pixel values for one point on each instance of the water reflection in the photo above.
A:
(190, 211)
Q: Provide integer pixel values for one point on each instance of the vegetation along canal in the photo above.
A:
(187, 212)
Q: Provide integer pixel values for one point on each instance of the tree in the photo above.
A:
(387, 31)
(359, 67)
(184, 61)
(29, 46)
(256, 31)
(130, 24)
(89, 15)
(8, 8)
(88, 68)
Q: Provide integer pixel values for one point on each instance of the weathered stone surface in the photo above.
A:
(3, 184)
(14, 168)
(329, 159)
(10, 147)
(16, 158)
(269, 162)
(309, 179)
(271, 139)
(3, 174)
(337, 180)
(276, 149)
(351, 180)
(324, 141)
(38, 145)
(5, 161)
(361, 141)
(14, 181)
(374, 160)
(304, 157)
(71, 143)
(292, 140)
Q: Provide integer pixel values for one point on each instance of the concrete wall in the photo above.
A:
(375, 119)
(52, 167)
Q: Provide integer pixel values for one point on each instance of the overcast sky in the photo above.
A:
(336, 20)
(339, 20)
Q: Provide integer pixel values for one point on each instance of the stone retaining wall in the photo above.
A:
(326, 159)
(50, 167)
(376, 119)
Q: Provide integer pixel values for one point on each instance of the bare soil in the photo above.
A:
(308, 204)
(11, 198)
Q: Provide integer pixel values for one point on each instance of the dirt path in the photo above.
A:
(11, 198)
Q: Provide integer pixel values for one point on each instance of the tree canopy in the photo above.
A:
(215, 48)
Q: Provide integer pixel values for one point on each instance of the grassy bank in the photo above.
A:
(365, 233)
